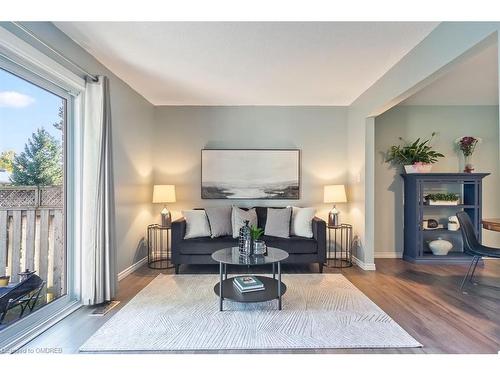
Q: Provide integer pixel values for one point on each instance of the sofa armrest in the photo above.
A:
(178, 233)
(319, 234)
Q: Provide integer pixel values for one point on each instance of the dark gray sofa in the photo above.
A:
(199, 250)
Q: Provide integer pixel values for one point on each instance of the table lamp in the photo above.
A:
(334, 194)
(164, 194)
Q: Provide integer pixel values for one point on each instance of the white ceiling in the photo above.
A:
(474, 81)
(248, 63)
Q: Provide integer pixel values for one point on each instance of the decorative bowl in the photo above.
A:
(440, 246)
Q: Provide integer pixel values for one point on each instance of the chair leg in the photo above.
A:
(468, 273)
(7, 307)
(320, 267)
(474, 270)
(176, 269)
(34, 298)
(23, 309)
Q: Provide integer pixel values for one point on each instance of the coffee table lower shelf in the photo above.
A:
(270, 292)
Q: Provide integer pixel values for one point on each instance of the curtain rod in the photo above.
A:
(31, 34)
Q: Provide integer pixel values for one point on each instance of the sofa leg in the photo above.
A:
(320, 267)
(177, 269)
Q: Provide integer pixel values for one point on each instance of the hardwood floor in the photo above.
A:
(423, 299)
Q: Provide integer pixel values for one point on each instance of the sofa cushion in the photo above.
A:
(219, 219)
(196, 224)
(238, 218)
(261, 216)
(205, 245)
(302, 221)
(293, 244)
(278, 222)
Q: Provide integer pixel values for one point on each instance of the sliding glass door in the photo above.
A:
(34, 119)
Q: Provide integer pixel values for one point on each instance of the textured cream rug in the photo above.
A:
(181, 312)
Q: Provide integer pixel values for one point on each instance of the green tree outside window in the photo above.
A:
(40, 163)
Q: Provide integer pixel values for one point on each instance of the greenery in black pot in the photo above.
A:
(256, 232)
(410, 153)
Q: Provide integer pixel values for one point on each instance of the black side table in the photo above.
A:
(159, 254)
(339, 253)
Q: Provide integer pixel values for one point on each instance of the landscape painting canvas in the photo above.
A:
(250, 174)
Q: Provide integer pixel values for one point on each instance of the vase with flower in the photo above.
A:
(467, 145)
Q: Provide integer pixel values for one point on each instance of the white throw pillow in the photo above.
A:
(302, 221)
(196, 224)
(238, 218)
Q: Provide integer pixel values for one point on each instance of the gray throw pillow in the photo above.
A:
(220, 221)
(278, 222)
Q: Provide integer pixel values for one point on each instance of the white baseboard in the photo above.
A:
(388, 254)
(127, 271)
(363, 265)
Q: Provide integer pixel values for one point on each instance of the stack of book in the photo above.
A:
(247, 284)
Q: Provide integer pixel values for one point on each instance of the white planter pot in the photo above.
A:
(443, 203)
(418, 168)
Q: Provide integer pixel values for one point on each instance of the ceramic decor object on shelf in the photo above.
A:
(453, 223)
(440, 246)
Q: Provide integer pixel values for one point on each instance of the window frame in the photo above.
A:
(28, 63)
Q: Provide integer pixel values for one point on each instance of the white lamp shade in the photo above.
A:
(163, 193)
(335, 194)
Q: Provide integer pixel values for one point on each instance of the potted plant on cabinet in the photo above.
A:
(416, 157)
(442, 199)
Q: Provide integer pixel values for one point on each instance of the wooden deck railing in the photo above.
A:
(32, 235)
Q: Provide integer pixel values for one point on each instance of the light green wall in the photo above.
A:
(319, 132)
(451, 122)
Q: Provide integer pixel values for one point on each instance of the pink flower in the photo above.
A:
(468, 144)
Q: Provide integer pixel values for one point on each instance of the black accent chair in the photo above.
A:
(472, 246)
(24, 294)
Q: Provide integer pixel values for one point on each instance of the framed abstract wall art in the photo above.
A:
(250, 174)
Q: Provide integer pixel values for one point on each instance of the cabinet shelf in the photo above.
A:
(441, 231)
(416, 238)
(448, 206)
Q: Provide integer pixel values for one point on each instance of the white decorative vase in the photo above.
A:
(440, 246)
(469, 166)
(453, 223)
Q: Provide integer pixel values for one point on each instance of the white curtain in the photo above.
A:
(99, 277)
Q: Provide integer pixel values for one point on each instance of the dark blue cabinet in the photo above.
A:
(416, 238)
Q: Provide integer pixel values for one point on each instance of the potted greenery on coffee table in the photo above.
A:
(416, 157)
(259, 246)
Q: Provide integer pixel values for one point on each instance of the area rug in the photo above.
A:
(181, 312)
